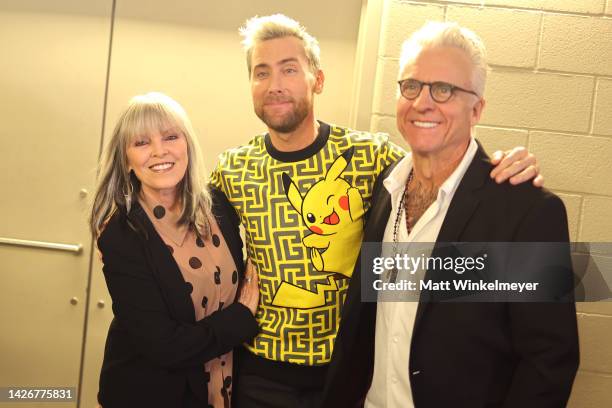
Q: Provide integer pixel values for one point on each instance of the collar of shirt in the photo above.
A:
(165, 222)
(396, 180)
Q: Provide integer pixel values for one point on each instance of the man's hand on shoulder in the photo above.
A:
(518, 165)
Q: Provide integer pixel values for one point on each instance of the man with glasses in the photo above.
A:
(432, 353)
(440, 91)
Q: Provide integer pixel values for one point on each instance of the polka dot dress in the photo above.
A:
(211, 280)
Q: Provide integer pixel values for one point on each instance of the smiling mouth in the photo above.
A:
(277, 101)
(277, 104)
(332, 219)
(161, 167)
(425, 125)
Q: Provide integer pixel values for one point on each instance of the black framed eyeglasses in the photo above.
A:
(440, 91)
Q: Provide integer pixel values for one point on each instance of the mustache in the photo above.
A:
(277, 99)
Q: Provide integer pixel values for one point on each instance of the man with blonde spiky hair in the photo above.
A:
(301, 191)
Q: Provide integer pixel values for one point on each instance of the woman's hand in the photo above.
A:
(249, 291)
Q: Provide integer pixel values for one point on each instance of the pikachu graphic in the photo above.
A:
(333, 211)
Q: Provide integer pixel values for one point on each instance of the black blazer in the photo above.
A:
(155, 349)
(470, 354)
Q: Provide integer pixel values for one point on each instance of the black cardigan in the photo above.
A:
(155, 348)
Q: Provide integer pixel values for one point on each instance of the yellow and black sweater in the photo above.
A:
(303, 214)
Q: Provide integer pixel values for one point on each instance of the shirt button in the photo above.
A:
(395, 339)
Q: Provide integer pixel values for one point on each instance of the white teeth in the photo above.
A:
(161, 166)
(427, 125)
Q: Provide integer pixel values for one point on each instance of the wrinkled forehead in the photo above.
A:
(440, 63)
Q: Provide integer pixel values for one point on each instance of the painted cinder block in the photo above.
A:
(602, 123)
(594, 333)
(574, 163)
(510, 36)
(386, 124)
(572, 206)
(597, 217)
(532, 4)
(591, 390)
(602, 308)
(576, 44)
(385, 88)
(593, 272)
(474, 2)
(494, 139)
(400, 19)
(538, 100)
(576, 6)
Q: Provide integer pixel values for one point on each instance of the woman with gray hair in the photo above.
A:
(172, 259)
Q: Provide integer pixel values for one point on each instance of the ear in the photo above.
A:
(292, 193)
(338, 166)
(319, 81)
(477, 112)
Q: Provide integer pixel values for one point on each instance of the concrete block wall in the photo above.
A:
(550, 89)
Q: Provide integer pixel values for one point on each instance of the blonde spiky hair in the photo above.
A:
(258, 29)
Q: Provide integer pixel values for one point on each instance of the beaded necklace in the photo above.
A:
(398, 217)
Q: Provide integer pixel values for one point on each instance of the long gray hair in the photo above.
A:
(117, 187)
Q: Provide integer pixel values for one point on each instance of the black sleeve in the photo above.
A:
(229, 222)
(222, 206)
(141, 309)
(545, 335)
(378, 184)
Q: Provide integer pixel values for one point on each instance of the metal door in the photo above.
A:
(52, 82)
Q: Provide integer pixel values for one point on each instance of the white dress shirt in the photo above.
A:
(395, 320)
